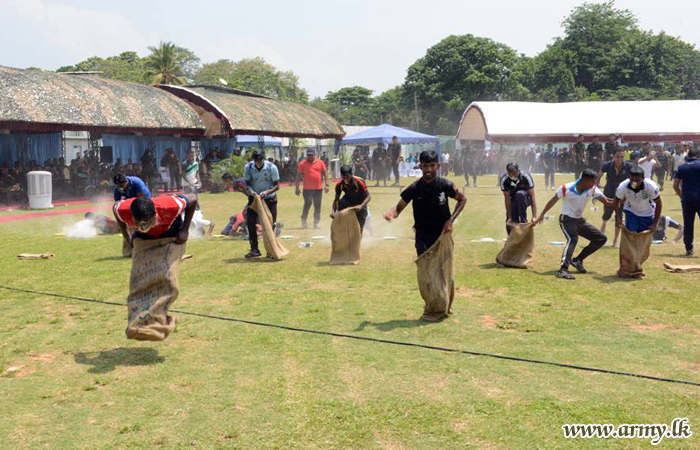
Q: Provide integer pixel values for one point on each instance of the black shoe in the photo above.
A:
(565, 275)
(578, 265)
(689, 252)
(253, 254)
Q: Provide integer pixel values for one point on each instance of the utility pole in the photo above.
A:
(415, 110)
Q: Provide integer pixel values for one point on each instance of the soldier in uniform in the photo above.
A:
(379, 160)
(469, 163)
(610, 147)
(594, 155)
(577, 156)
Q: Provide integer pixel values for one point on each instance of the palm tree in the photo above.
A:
(164, 64)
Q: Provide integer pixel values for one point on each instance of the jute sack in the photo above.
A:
(436, 278)
(127, 248)
(634, 251)
(346, 237)
(274, 249)
(519, 250)
(675, 268)
(153, 287)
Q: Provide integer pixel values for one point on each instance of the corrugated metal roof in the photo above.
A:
(34, 100)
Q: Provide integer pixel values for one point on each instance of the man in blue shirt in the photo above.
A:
(129, 187)
(262, 178)
(687, 187)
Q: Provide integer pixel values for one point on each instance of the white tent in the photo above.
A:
(522, 122)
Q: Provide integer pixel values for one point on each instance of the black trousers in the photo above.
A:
(425, 239)
(691, 208)
(314, 196)
(361, 214)
(572, 229)
(252, 220)
(518, 208)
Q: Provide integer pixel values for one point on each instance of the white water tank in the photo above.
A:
(39, 190)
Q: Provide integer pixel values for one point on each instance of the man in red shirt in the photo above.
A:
(313, 172)
(162, 227)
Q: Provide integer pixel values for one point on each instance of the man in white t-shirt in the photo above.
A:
(574, 198)
(642, 202)
(679, 158)
(648, 162)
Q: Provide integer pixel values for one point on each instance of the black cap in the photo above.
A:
(257, 154)
(345, 170)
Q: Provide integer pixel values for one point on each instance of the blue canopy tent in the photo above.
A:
(384, 133)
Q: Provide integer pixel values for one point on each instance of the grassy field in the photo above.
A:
(69, 379)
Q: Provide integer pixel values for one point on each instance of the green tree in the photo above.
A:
(254, 75)
(591, 32)
(165, 64)
(457, 71)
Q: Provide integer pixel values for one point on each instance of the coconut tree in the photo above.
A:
(164, 64)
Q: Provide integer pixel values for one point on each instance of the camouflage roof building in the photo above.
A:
(230, 112)
(35, 101)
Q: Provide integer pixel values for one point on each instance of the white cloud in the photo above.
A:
(80, 32)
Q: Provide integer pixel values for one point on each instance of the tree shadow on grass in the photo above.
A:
(393, 324)
(109, 360)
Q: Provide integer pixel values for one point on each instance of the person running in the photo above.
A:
(687, 187)
(549, 162)
(394, 153)
(313, 171)
(431, 210)
(615, 171)
(519, 193)
(262, 179)
(642, 202)
(129, 187)
(355, 195)
(574, 198)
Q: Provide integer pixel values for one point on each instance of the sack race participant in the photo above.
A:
(274, 249)
(162, 228)
(519, 193)
(575, 197)
(349, 216)
(436, 278)
(519, 250)
(642, 207)
(433, 224)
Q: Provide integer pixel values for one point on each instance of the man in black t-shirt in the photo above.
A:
(519, 193)
(610, 147)
(379, 163)
(594, 155)
(431, 211)
(355, 195)
(394, 152)
(615, 171)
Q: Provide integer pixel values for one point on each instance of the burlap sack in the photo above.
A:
(35, 256)
(519, 250)
(274, 249)
(127, 248)
(634, 251)
(436, 278)
(675, 268)
(153, 287)
(346, 237)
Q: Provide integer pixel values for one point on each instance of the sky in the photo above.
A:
(329, 44)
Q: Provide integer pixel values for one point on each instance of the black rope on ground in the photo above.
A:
(371, 339)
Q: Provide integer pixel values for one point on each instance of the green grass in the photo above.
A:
(77, 383)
